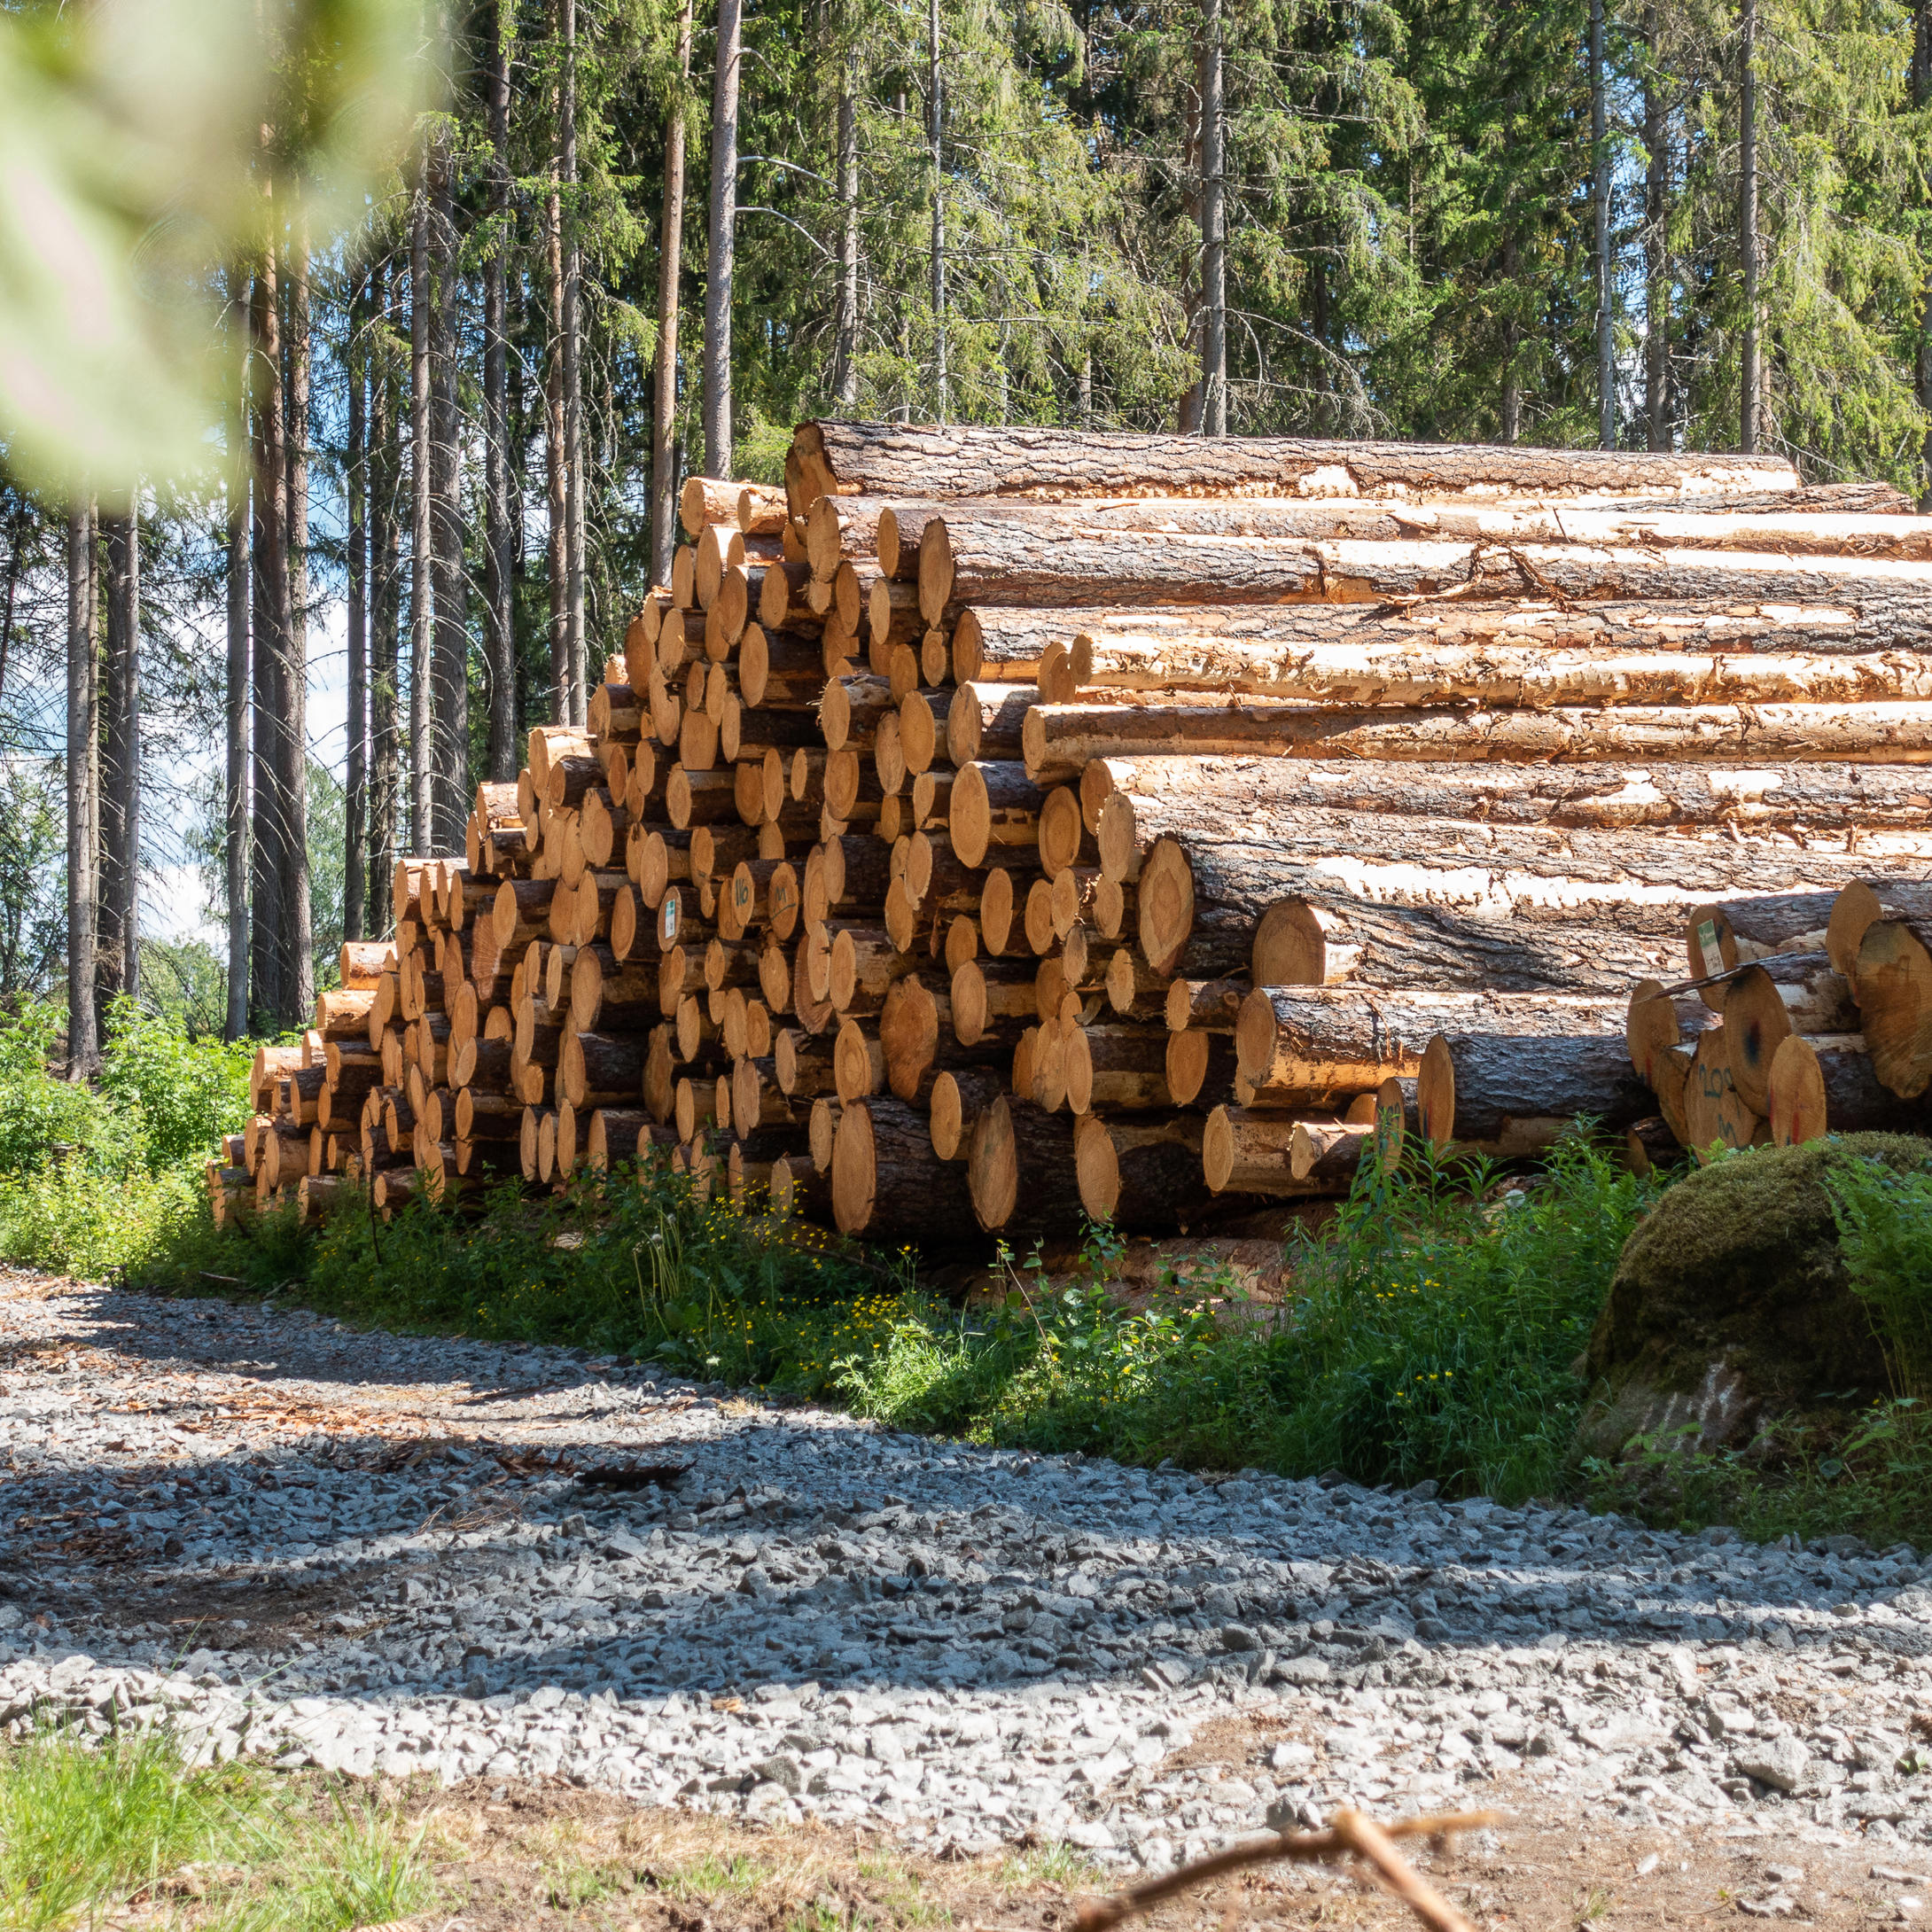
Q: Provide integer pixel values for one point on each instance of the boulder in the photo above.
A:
(1730, 1303)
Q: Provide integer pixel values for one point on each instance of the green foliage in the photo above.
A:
(1884, 1217)
(38, 1112)
(182, 1092)
(1427, 1335)
(93, 1179)
(88, 1826)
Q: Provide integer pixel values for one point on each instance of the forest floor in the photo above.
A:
(636, 1652)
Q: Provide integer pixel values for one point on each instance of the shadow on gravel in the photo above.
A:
(494, 1560)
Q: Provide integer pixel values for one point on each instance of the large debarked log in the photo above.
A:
(888, 1182)
(1059, 739)
(1138, 642)
(1719, 627)
(1509, 1095)
(1829, 800)
(973, 557)
(920, 464)
(1791, 524)
(1294, 1041)
(1401, 671)
(1200, 900)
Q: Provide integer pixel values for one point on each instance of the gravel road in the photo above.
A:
(375, 1553)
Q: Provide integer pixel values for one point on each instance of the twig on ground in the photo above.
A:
(1352, 1835)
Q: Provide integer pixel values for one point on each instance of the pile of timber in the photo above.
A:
(1258, 802)
(1805, 1014)
(1005, 825)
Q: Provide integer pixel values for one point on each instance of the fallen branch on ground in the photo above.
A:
(1351, 1835)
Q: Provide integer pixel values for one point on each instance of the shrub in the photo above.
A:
(185, 1092)
(1884, 1218)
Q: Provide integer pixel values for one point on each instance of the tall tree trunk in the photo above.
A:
(574, 386)
(385, 567)
(1187, 419)
(118, 965)
(268, 609)
(84, 1035)
(451, 673)
(723, 239)
(845, 321)
(1511, 413)
(1751, 397)
(236, 839)
(298, 957)
(1600, 140)
(1213, 228)
(498, 638)
(1656, 256)
(422, 533)
(936, 97)
(555, 459)
(356, 802)
(665, 481)
(1922, 98)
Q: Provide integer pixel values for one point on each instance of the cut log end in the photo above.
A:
(1436, 1093)
(1894, 977)
(1096, 1167)
(1650, 1026)
(1165, 905)
(1798, 1106)
(855, 1163)
(1290, 947)
(992, 1173)
(1756, 1024)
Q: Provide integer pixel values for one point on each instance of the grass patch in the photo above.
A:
(90, 1827)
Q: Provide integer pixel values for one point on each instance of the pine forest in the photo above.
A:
(459, 380)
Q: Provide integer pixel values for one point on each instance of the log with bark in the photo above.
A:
(1827, 804)
(1828, 1085)
(922, 464)
(887, 1183)
(1510, 1094)
(1060, 739)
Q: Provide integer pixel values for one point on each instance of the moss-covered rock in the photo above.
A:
(1731, 1301)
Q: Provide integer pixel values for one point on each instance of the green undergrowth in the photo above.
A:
(1433, 1330)
(96, 1177)
(94, 1829)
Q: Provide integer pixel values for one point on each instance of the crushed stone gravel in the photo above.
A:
(382, 1553)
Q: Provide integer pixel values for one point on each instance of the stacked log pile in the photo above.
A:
(1806, 1014)
(998, 826)
(1254, 803)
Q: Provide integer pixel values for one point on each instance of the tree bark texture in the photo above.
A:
(664, 476)
(1822, 803)
(355, 483)
(236, 821)
(722, 239)
(269, 610)
(118, 963)
(1001, 559)
(422, 524)
(1059, 739)
(500, 528)
(919, 463)
(1213, 227)
(1514, 1095)
(386, 605)
(84, 1035)
(846, 319)
(449, 678)
(298, 969)
(576, 494)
